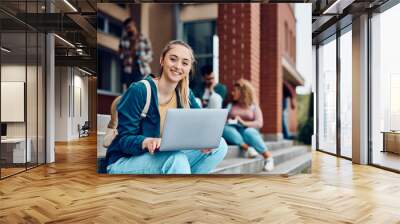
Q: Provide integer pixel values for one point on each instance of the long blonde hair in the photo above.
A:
(246, 92)
(114, 114)
(183, 85)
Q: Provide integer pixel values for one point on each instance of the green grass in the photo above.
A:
(305, 122)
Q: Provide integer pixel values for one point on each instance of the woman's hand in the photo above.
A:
(151, 144)
(241, 121)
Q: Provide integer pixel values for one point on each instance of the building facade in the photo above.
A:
(252, 41)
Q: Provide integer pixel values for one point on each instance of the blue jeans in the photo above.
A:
(170, 162)
(239, 135)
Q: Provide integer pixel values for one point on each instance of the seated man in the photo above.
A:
(210, 93)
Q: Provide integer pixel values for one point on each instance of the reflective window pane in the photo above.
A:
(385, 91)
(14, 153)
(327, 96)
(346, 94)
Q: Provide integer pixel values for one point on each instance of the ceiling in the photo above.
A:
(76, 21)
(330, 15)
(72, 20)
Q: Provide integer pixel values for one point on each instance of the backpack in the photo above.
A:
(111, 133)
(148, 98)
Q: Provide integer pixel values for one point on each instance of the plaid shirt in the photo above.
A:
(141, 52)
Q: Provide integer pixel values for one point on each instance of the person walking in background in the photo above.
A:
(289, 94)
(211, 93)
(134, 149)
(244, 121)
(135, 53)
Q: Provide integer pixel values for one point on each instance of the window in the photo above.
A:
(385, 85)
(109, 25)
(294, 49)
(346, 94)
(199, 35)
(291, 44)
(22, 75)
(115, 29)
(109, 71)
(327, 96)
(100, 23)
(286, 38)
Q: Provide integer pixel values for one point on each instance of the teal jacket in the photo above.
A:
(132, 129)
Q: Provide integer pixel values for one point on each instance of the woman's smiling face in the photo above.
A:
(176, 63)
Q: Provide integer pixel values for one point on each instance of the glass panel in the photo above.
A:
(31, 98)
(115, 29)
(346, 94)
(327, 96)
(41, 98)
(109, 71)
(385, 86)
(13, 85)
(22, 82)
(199, 35)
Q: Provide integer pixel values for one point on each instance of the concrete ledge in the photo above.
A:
(273, 137)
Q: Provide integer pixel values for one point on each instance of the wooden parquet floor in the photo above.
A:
(70, 191)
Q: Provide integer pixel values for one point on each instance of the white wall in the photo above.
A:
(71, 94)
(304, 45)
(15, 72)
(33, 127)
(80, 98)
(61, 103)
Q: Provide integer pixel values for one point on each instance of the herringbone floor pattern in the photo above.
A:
(70, 191)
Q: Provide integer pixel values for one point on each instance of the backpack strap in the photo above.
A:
(148, 98)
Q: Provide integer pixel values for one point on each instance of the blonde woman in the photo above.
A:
(244, 121)
(134, 150)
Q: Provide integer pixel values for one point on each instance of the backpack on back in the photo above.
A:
(112, 133)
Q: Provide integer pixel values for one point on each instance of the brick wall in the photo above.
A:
(286, 15)
(271, 77)
(239, 44)
(251, 46)
(273, 20)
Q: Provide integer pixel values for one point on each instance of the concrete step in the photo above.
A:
(240, 165)
(285, 154)
(300, 164)
(273, 145)
(101, 151)
(235, 152)
(280, 155)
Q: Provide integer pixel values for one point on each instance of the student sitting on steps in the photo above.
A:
(140, 125)
(244, 120)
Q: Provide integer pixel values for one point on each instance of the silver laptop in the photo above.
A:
(186, 129)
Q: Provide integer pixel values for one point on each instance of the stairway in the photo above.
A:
(289, 159)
